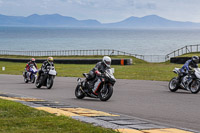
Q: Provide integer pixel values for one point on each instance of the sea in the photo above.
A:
(135, 41)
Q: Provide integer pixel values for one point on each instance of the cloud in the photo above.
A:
(1, 2)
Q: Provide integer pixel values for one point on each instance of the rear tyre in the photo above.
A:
(105, 94)
(49, 82)
(195, 86)
(173, 84)
(79, 93)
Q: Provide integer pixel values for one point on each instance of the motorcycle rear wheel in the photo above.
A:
(78, 92)
(106, 94)
(173, 84)
(195, 86)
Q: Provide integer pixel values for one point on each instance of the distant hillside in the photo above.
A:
(46, 20)
(151, 21)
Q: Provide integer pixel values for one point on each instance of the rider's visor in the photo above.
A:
(108, 62)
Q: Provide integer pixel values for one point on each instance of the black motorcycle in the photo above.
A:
(46, 78)
(104, 91)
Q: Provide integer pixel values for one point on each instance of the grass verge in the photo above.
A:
(140, 71)
(18, 118)
(190, 54)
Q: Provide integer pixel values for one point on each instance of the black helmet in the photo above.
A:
(195, 59)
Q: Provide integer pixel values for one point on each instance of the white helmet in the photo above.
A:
(107, 61)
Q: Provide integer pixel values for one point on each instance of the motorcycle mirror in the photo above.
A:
(78, 80)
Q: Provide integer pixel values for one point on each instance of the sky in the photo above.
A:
(105, 11)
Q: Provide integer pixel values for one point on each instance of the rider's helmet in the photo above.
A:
(50, 59)
(32, 59)
(107, 61)
(195, 59)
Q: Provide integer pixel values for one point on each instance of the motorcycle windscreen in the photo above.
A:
(52, 72)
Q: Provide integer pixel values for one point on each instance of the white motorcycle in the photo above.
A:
(46, 78)
(189, 82)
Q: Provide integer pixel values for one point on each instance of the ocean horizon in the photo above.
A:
(135, 41)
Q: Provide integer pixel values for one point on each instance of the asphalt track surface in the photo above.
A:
(149, 100)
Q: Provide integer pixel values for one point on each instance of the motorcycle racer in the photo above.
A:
(187, 67)
(27, 68)
(97, 70)
(48, 62)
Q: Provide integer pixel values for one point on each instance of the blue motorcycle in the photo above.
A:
(31, 75)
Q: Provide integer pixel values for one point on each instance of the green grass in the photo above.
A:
(140, 71)
(18, 118)
(190, 54)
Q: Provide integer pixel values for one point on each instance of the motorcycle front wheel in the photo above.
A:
(38, 83)
(173, 85)
(49, 82)
(33, 79)
(25, 80)
(79, 93)
(195, 86)
(106, 93)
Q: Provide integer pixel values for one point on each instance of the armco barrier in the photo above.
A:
(179, 60)
(73, 61)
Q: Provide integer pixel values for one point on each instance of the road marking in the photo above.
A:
(20, 99)
(57, 111)
(167, 130)
(8, 98)
(87, 112)
(27, 99)
(128, 131)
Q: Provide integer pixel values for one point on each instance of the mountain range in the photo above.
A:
(56, 20)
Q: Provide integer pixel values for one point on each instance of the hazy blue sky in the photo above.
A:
(105, 10)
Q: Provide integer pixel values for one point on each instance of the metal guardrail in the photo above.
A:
(102, 52)
(94, 52)
(184, 50)
(154, 58)
(67, 52)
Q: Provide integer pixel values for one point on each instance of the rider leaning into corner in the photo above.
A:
(97, 70)
(32, 61)
(48, 62)
(187, 68)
